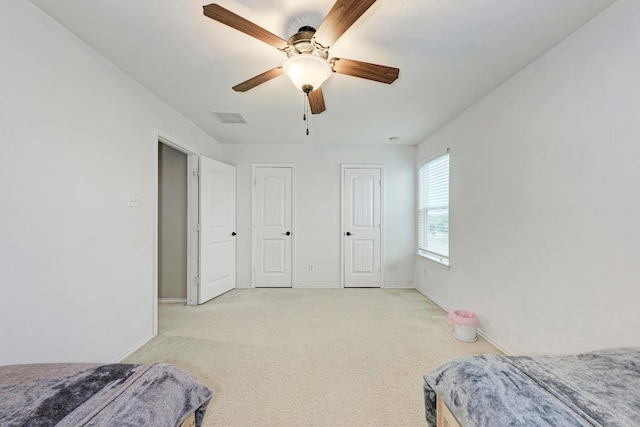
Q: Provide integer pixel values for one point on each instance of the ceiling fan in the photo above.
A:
(308, 64)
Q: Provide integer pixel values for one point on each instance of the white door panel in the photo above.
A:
(217, 229)
(273, 227)
(362, 227)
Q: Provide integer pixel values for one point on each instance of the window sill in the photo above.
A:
(434, 260)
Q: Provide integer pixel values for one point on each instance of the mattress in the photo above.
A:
(100, 395)
(591, 389)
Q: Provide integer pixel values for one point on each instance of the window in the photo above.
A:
(433, 209)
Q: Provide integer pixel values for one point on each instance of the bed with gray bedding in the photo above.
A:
(599, 388)
(99, 395)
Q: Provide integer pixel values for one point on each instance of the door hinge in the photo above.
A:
(196, 173)
(197, 281)
(197, 227)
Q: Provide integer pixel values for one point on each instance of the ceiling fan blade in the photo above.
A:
(220, 14)
(341, 16)
(365, 70)
(316, 101)
(258, 80)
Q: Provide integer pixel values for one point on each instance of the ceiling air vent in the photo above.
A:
(229, 117)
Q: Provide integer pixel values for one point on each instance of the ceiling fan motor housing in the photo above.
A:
(303, 43)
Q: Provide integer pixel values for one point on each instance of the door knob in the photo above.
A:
(288, 233)
(348, 233)
(233, 233)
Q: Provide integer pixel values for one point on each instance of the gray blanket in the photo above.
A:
(591, 389)
(68, 395)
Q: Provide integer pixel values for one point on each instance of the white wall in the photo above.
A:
(317, 178)
(76, 137)
(545, 197)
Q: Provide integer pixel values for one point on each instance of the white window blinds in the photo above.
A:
(433, 209)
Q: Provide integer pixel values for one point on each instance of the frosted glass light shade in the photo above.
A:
(307, 70)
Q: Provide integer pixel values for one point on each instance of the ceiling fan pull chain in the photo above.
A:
(305, 109)
(304, 106)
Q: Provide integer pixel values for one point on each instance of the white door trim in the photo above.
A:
(254, 249)
(192, 220)
(342, 225)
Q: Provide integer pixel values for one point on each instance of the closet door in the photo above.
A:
(273, 232)
(362, 227)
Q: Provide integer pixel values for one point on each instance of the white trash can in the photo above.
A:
(464, 325)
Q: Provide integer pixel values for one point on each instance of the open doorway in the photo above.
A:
(172, 224)
(185, 196)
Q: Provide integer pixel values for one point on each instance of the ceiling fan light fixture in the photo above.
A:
(306, 70)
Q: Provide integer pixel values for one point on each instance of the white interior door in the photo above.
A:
(217, 229)
(273, 233)
(362, 227)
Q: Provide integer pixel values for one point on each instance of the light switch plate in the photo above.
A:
(133, 201)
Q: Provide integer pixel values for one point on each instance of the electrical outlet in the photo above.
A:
(312, 267)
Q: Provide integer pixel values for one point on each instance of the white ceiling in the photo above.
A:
(450, 54)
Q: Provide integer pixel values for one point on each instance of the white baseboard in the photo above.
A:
(493, 342)
(433, 300)
(316, 287)
(479, 330)
(399, 287)
(171, 300)
(134, 349)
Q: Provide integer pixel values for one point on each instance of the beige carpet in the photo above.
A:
(309, 357)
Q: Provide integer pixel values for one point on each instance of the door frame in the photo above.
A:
(342, 237)
(192, 220)
(254, 248)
